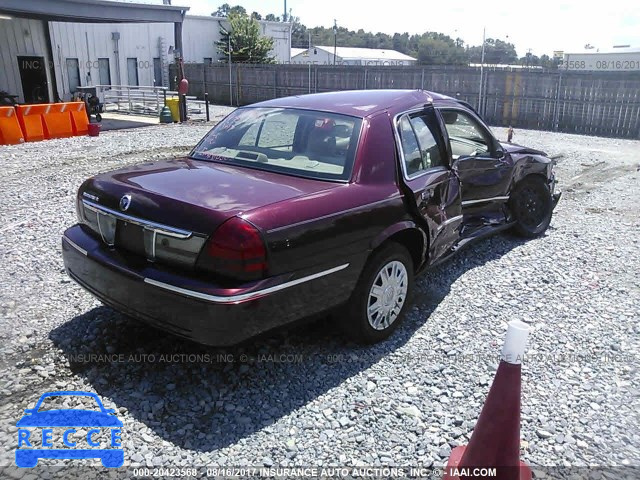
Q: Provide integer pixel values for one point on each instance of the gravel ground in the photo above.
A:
(307, 397)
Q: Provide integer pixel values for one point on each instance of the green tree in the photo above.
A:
(256, 15)
(299, 34)
(440, 49)
(247, 45)
(496, 51)
(272, 18)
(225, 10)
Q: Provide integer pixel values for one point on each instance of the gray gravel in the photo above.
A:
(307, 397)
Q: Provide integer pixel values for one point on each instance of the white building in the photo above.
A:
(616, 59)
(42, 59)
(323, 55)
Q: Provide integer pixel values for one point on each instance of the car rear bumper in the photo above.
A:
(203, 312)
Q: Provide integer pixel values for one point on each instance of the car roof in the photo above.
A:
(357, 103)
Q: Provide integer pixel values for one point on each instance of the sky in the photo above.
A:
(541, 25)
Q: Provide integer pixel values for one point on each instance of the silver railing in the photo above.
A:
(139, 100)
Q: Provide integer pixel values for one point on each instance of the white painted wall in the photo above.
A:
(18, 37)
(200, 34)
(315, 56)
(608, 62)
(88, 42)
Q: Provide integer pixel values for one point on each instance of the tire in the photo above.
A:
(531, 206)
(365, 327)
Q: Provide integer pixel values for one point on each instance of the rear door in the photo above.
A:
(432, 188)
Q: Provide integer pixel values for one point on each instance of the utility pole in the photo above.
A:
(284, 16)
(335, 40)
(484, 31)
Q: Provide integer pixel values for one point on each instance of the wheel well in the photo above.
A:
(524, 179)
(413, 241)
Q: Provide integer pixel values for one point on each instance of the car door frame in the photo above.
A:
(496, 167)
(433, 194)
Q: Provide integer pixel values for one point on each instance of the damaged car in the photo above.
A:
(303, 205)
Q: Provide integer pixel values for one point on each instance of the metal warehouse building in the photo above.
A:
(617, 59)
(320, 55)
(50, 47)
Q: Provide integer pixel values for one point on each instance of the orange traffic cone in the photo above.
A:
(494, 448)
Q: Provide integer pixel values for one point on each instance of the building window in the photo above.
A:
(132, 71)
(104, 72)
(208, 60)
(157, 72)
(73, 74)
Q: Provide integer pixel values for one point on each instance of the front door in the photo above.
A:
(433, 188)
(483, 167)
(33, 76)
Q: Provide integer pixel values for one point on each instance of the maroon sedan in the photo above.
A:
(296, 206)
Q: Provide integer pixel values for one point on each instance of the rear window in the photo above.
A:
(296, 142)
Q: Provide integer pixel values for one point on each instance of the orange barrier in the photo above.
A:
(30, 119)
(10, 131)
(57, 121)
(79, 118)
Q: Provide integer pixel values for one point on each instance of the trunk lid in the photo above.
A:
(194, 195)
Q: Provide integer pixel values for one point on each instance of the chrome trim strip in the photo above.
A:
(160, 228)
(482, 200)
(323, 217)
(81, 250)
(243, 296)
(451, 220)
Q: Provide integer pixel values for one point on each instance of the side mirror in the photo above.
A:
(499, 152)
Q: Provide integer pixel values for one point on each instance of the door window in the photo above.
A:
(466, 136)
(73, 74)
(157, 72)
(132, 71)
(104, 71)
(419, 146)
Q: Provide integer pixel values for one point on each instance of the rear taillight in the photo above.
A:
(235, 250)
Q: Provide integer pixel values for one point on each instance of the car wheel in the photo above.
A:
(381, 296)
(531, 206)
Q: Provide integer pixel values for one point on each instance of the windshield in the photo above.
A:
(297, 142)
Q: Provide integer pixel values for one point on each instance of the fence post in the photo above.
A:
(556, 110)
(206, 104)
(275, 82)
(365, 78)
(204, 78)
(422, 80)
(238, 96)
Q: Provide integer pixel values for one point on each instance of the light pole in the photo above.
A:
(484, 31)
